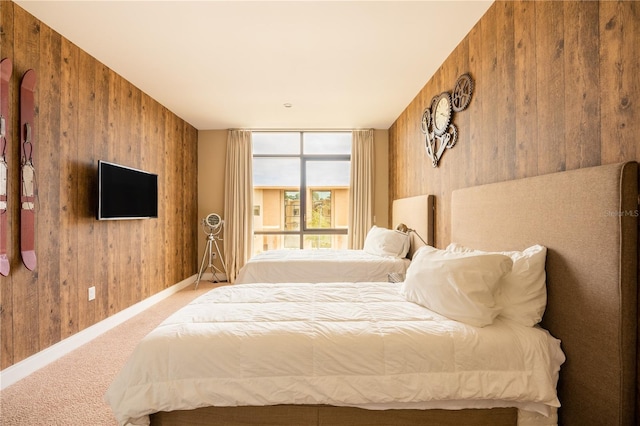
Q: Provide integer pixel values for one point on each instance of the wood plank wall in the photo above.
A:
(557, 87)
(85, 113)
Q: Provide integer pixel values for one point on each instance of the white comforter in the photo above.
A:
(356, 344)
(319, 265)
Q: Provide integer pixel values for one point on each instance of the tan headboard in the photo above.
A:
(418, 214)
(587, 219)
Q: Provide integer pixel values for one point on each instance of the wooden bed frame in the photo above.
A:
(587, 219)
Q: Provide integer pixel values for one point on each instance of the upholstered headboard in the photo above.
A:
(418, 214)
(587, 219)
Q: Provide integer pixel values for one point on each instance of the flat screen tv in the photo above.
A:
(126, 193)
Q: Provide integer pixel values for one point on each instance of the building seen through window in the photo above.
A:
(301, 190)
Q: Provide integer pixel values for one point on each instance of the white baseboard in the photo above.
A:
(22, 369)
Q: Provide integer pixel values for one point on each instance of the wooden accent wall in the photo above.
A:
(557, 87)
(85, 113)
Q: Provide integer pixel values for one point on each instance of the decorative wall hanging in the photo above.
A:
(440, 132)
(28, 191)
(5, 135)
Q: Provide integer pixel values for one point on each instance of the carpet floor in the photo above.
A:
(70, 390)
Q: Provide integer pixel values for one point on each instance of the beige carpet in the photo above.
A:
(69, 391)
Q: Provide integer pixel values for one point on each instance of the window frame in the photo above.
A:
(304, 159)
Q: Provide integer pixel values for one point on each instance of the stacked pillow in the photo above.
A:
(522, 294)
(459, 286)
(474, 286)
(385, 242)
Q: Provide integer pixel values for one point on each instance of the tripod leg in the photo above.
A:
(224, 266)
(214, 277)
(221, 259)
(204, 257)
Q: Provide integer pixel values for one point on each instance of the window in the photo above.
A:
(301, 186)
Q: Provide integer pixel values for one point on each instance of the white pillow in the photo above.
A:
(459, 286)
(522, 293)
(385, 242)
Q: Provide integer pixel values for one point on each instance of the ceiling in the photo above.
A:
(235, 64)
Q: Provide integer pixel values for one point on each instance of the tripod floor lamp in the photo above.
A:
(212, 226)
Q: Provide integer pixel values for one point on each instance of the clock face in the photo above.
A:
(442, 114)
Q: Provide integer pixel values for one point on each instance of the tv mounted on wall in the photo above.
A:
(126, 193)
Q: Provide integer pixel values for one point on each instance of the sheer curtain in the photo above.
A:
(238, 202)
(361, 190)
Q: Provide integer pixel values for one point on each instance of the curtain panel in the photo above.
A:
(361, 188)
(238, 202)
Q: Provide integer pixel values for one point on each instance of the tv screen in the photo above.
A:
(126, 193)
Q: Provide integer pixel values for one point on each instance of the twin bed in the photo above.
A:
(373, 263)
(357, 353)
(319, 265)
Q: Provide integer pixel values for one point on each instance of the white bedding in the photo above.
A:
(354, 344)
(319, 265)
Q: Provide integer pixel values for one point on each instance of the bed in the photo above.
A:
(355, 344)
(319, 265)
(373, 263)
(587, 220)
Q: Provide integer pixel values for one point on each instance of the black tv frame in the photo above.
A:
(126, 193)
